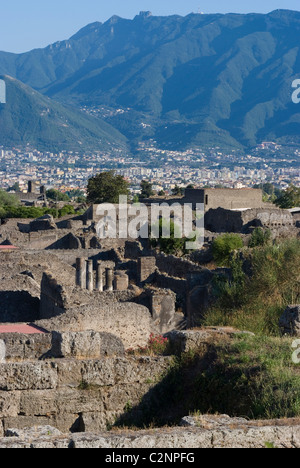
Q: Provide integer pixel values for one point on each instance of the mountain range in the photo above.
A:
(30, 118)
(184, 81)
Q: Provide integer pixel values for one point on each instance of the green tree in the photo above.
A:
(289, 199)
(177, 191)
(106, 188)
(8, 199)
(14, 188)
(223, 247)
(77, 195)
(56, 195)
(146, 189)
(135, 199)
(161, 193)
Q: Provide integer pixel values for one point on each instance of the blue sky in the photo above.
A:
(28, 24)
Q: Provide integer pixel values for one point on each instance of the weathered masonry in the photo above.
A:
(225, 198)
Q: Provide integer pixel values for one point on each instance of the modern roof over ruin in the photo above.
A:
(21, 328)
(5, 248)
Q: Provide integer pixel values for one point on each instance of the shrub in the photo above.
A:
(260, 237)
(157, 346)
(223, 247)
(256, 302)
(173, 245)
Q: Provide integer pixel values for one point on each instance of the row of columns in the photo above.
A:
(85, 276)
(117, 281)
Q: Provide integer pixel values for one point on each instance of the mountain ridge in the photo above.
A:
(29, 118)
(222, 79)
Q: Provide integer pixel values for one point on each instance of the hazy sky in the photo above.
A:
(28, 24)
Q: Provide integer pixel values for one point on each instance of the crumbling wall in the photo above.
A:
(233, 434)
(128, 321)
(175, 266)
(85, 345)
(19, 296)
(53, 297)
(163, 310)
(18, 306)
(146, 269)
(68, 242)
(177, 285)
(242, 221)
(201, 293)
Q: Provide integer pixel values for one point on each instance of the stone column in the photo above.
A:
(80, 272)
(99, 277)
(90, 276)
(109, 279)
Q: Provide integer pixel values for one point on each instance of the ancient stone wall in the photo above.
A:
(232, 198)
(146, 269)
(23, 347)
(264, 434)
(175, 266)
(177, 285)
(130, 322)
(74, 395)
(242, 221)
(53, 297)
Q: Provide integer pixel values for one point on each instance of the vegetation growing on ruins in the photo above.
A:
(10, 207)
(223, 247)
(56, 195)
(247, 376)
(170, 245)
(253, 377)
(157, 346)
(255, 301)
(260, 237)
(32, 212)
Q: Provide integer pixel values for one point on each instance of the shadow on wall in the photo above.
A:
(176, 395)
(18, 306)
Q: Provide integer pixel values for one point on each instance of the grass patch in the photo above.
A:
(250, 377)
(256, 300)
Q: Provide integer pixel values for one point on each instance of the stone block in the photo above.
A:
(28, 376)
(290, 320)
(121, 281)
(86, 344)
(33, 432)
(76, 344)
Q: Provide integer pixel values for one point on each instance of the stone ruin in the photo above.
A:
(88, 301)
(106, 279)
